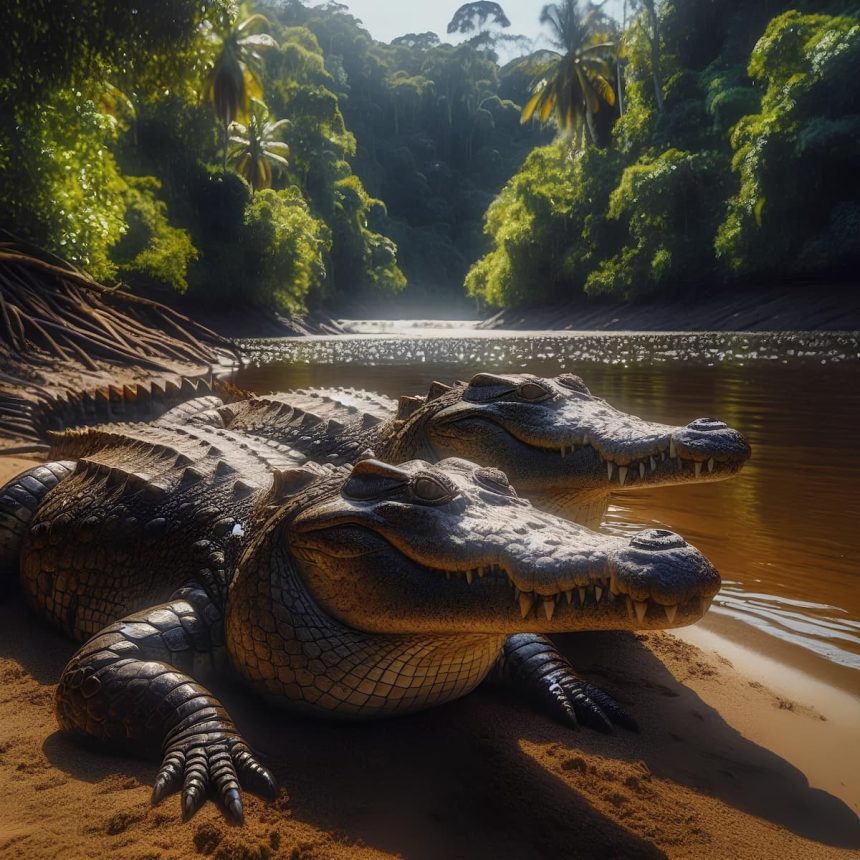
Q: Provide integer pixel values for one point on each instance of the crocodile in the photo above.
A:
(558, 443)
(183, 554)
(30, 416)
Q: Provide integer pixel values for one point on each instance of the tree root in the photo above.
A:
(54, 315)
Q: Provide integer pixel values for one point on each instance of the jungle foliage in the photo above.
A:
(278, 155)
(245, 154)
(731, 163)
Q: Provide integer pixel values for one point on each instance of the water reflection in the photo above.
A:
(784, 533)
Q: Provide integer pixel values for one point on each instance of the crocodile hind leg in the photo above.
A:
(19, 500)
(532, 665)
(132, 686)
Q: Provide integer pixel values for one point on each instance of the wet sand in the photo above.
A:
(737, 757)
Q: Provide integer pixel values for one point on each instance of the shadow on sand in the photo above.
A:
(460, 780)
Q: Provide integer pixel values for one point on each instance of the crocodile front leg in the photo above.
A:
(131, 686)
(532, 665)
(18, 502)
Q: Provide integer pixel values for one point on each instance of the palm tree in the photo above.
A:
(236, 74)
(578, 81)
(255, 153)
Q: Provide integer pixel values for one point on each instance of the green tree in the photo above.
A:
(477, 16)
(64, 69)
(797, 206)
(237, 70)
(579, 80)
(256, 153)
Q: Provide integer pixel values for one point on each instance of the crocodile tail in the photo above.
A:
(19, 500)
(141, 402)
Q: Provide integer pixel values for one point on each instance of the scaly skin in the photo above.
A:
(564, 447)
(356, 595)
(148, 402)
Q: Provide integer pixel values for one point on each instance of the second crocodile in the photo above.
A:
(558, 443)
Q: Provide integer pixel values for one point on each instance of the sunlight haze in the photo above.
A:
(387, 19)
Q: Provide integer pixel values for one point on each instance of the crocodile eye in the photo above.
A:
(533, 391)
(430, 489)
(570, 380)
(495, 480)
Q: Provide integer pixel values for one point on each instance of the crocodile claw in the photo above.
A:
(221, 761)
(576, 702)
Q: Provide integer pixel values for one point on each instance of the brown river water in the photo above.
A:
(785, 533)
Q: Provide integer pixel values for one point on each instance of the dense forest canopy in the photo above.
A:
(278, 155)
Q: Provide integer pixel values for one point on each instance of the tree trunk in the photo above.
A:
(618, 72)
(226, 141)
(654, 40)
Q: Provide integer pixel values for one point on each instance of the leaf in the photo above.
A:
(530, 106)
(260, 40)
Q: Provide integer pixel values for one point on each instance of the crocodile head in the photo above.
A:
(554, 434)
(450, 548)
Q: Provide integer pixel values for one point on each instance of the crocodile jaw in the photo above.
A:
(583, 443)
(374, 580)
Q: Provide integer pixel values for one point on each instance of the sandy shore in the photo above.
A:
(733, 760)
(786, 307)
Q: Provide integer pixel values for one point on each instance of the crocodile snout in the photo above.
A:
(657, 539)
(660, 566)
(709, 439)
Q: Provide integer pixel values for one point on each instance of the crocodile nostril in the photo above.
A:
(707, 425)
(656, 539)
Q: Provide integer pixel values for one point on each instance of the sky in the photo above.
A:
(386, 19)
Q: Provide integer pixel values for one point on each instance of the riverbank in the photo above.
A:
(798, 307)
(730, 761)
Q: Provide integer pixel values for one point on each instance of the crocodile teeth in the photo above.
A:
(698, 467)
(711, 465)
(629, 604)
(670, 613)
(705, 603)
(569, 596)
(526, 602)
(673, 451)
(641, 607)
(481, 572)
(613, 587)
(598, 593)
(516, 595)
(622, 475)
(549, 608)
(641, 471)
(653, 464)
(581, 596)
(609, 467)
(469, 576)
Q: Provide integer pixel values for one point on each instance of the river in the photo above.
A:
(785, 533)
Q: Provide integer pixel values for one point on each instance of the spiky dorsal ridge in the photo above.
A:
(349, 407)
(214, 451)
(137, 480)
(437, 389)
(408, 405)
(86, 441)
(139, 402)
(289, 483)
(206, 408)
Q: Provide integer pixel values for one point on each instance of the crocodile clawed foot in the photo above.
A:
(217, 760)
(577, 703)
